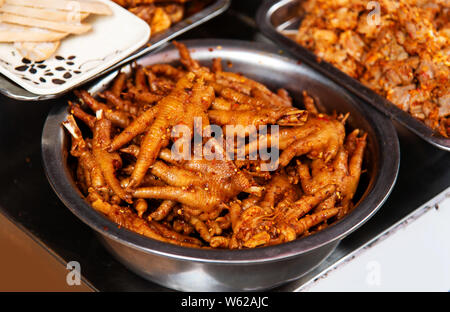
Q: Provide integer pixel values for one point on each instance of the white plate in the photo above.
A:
(79, 57)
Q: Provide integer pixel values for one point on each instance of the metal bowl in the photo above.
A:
(191, 269)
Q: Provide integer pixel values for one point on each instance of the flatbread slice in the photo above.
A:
(12, 33)
(37, 51)
(72, 28)
(45, 14)
(93, 7)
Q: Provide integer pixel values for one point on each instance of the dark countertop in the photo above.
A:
(27, 198)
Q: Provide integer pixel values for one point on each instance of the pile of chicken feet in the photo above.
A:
(126, 167)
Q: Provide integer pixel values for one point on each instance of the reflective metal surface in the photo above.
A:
(261, 268)
(12, 90)
(276, 16)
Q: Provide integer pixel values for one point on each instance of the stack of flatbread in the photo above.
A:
(36, 27)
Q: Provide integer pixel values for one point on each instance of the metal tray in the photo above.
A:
(12, 90)
(276, 16)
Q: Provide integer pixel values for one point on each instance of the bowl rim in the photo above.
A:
(53, 157)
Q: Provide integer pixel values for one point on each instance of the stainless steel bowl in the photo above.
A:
(191, 269)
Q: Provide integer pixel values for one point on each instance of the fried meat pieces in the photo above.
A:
(130, 167)
(401, 51)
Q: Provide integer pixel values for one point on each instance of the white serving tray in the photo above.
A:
(79, 57)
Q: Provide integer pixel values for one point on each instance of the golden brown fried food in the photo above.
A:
(160, 20)
(168, 109)
(119, 118)
(162, 14)
(258, 226)
(126, 218)
(257, 117)
(108, 162)
(323, 142)
(188, 188)
(136, 127)
(401, 52)
(89, 173)
(343, 171)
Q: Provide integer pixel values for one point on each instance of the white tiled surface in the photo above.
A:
(415, 256)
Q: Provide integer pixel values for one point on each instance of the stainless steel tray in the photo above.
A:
(12, 90)
(273, 17)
